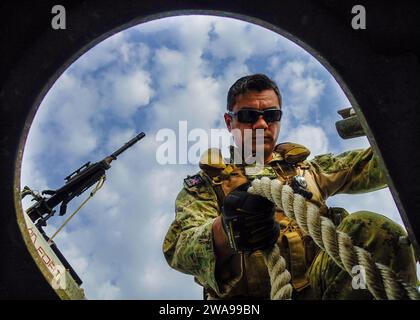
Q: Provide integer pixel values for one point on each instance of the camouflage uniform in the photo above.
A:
(188, 245)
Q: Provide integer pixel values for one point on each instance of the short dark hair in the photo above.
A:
(255, 82)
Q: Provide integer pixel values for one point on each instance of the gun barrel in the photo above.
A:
(140, 136)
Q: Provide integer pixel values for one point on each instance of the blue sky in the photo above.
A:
(150, 77)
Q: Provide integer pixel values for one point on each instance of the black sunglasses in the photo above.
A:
(252, 115)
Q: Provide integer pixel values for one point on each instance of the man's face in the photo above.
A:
(266, 99)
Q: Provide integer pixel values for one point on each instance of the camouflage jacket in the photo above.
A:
(188, 244)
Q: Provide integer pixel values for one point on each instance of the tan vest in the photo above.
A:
(298, 250)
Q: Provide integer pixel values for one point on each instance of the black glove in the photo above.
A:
(248, 221)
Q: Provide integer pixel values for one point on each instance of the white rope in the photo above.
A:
(280, 277)
(381, 280)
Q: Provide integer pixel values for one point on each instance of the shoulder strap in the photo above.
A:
(213, 165)
(223, 177)
(293, 243)
(292, 153)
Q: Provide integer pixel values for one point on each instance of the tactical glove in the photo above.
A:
(248, 221)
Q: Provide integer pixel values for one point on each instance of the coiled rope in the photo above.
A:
(382, 282)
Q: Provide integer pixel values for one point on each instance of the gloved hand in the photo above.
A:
(248, 221)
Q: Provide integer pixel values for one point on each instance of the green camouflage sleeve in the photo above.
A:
(356, 171)
(188, 244)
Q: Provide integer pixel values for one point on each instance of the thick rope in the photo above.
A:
(280, 277)
(381, 280)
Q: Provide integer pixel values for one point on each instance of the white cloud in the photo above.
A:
(31, 176)
(130, 91)
(303, 90)
(79, 102)
(117, 49)
(233, 71)
(201, 96)
(314, 138)
(103, 54)
(192, 37)
(72, 129)
(137, 53)
(230, 35)
(174, 67)
(74, 253)
(108, 291)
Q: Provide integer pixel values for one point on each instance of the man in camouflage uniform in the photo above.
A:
(211, 240)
